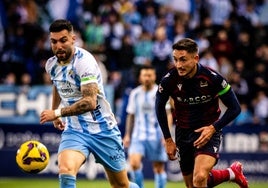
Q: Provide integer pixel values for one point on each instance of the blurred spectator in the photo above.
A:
(67, 9)
(162, 48)
(25, 82)
(142, 6)
(10, 79)
(222, 46)
(206, 27)
(245, 116)
(251, 14)
(259, 78)
(126, 61)
(202, 42)
(179, 32)
(262, 53)
(219, 11)
(240, 86)
(167, 18)
(2, 20)
(182, 10)
(263, 14)
(208, 60)
(132, 21)
(46, 79)
(225, 67)
(260, 107)
(130, 14)
(27, 11)
(244, 49)
(149, 21)
(94, 35)
(239, 66)
(114, 32)
(61, 6)
(143, 49)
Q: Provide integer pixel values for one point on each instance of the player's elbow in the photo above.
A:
(236, 110)
(88, 105)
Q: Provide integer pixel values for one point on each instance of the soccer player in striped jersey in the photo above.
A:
(79, 107)
(196, 91)
(143, 136)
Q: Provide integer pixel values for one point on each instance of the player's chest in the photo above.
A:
(193, 92)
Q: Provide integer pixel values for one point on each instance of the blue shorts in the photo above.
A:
(107, 147)
(152, 150)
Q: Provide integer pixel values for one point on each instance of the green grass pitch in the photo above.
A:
(84, 183)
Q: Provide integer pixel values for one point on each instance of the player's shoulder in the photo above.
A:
(84, 58)
(172, 74)
(204, 70)
(136, 90)
(51, 62)
(82, 53)
(52, 59)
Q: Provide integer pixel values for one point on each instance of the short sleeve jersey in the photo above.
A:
(196, 99)
(141, 103)
(69, 78)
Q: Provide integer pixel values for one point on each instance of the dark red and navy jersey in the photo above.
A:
(196, 99)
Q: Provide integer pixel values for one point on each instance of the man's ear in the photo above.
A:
(196, 57)
(73, 38)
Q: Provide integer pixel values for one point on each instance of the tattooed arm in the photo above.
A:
(87, 103)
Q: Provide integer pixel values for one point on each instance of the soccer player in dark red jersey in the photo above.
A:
(196, 91)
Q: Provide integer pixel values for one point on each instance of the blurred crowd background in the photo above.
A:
(123, 35)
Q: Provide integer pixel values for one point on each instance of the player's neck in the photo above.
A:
(66, 62)
(147, 87)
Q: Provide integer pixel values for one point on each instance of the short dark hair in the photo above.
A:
(186, 44)
(61, 24)
(145, 67)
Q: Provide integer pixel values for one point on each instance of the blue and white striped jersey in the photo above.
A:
(69, 78)
(141, 104)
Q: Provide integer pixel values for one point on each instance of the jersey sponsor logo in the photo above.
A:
(179, 86)
(86, 74)
(195, 100)
(71, 74)
(117, 155)
(203, 83)
(66, 88)
(224, 84)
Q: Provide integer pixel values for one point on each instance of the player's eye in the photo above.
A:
(53, 41)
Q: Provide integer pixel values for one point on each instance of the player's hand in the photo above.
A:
(206, 134)
(47, 115)
(59, 124)
(171, 149)
(126, 141)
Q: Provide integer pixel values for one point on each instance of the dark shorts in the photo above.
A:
(184, 141)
